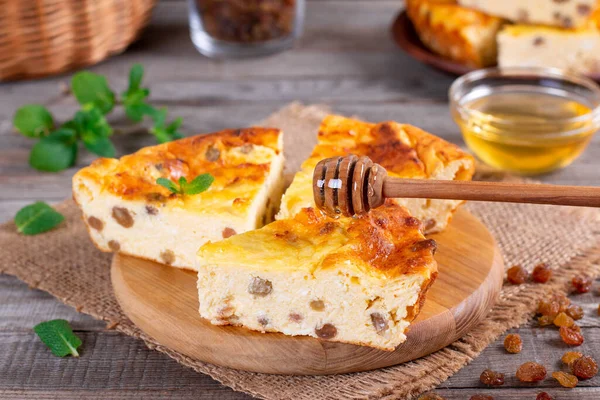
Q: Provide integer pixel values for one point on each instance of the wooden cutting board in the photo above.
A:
(162, 301)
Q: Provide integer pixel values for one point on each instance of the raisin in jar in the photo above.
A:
(244, 28)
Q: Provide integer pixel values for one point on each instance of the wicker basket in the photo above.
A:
(45, 37)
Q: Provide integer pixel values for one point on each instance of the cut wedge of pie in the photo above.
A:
(127, 211)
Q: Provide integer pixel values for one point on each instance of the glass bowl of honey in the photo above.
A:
(526, 120)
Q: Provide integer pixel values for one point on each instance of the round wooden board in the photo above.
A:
(405, 36)
(162, 301)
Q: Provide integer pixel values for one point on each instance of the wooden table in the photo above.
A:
(346, 59)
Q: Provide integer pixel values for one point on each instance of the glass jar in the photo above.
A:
(244, 28)
(526, 120)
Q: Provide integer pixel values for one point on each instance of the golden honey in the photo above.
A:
(528, 126)
(521, 132)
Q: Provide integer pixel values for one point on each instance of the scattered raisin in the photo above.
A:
(545, 320)
(327, 331)
(571, 335)
(565, 379)
(548, 307)
(583, 9)
(562, 319)
(570, 356)
(582, 283)
(563, 302)
(151, 210)
(541, 273)
(544, 396)
(260, 287)
(575, 312)
(379, 322)
(113, 245)
(228, 232)
(212, 154)
(168, 257)
(317, 305)
(491, 378)
(122, 216)
(263, 321)
(516, 275)
(295, 317)
(481, 397)
(431, 396)
(95, 223)
(428, 244)
(584, 367)
(513, 343)
(246, 148)
(531, 372)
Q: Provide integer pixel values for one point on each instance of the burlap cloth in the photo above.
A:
(64, 263)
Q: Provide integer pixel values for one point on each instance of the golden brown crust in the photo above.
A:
(403, 150)
(385, 242)
(239, 160)
(461, 34)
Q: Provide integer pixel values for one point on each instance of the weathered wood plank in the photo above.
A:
(212, 391)
(521, 393)
(21, 308)
(109, 361)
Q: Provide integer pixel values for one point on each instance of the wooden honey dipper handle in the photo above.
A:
(351, 185)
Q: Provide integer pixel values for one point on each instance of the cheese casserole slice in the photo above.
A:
(354, 280)
(358, 280)
(560, 13)
(126, 211)
(461, 34)
(574, 50)
(403, 150)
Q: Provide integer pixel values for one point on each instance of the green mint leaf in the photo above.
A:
(136, 111)
(92, 123)
(54, 152)
(91, 90)
(33, 120)
(98, 144)
(162, 136)
(135, 76)
(37, 218)
(169, 184)
(198, 185)
(59, 337)
(158, 116)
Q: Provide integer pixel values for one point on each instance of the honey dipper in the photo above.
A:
(353, 185)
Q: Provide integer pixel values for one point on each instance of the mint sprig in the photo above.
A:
(59, 337)
(37, 218)
(33, 121)
(58, 146)
(198, 185)
(91, 91)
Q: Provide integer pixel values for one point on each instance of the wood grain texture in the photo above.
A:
(346, 59)
(470, 278)
(562, 195)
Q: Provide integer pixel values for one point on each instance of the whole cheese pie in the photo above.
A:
(127, 211)
(403, 150)
(461, 34)
(561, 13)
(354, 280)
(574, 50)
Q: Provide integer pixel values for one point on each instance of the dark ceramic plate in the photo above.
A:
(406, 38)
